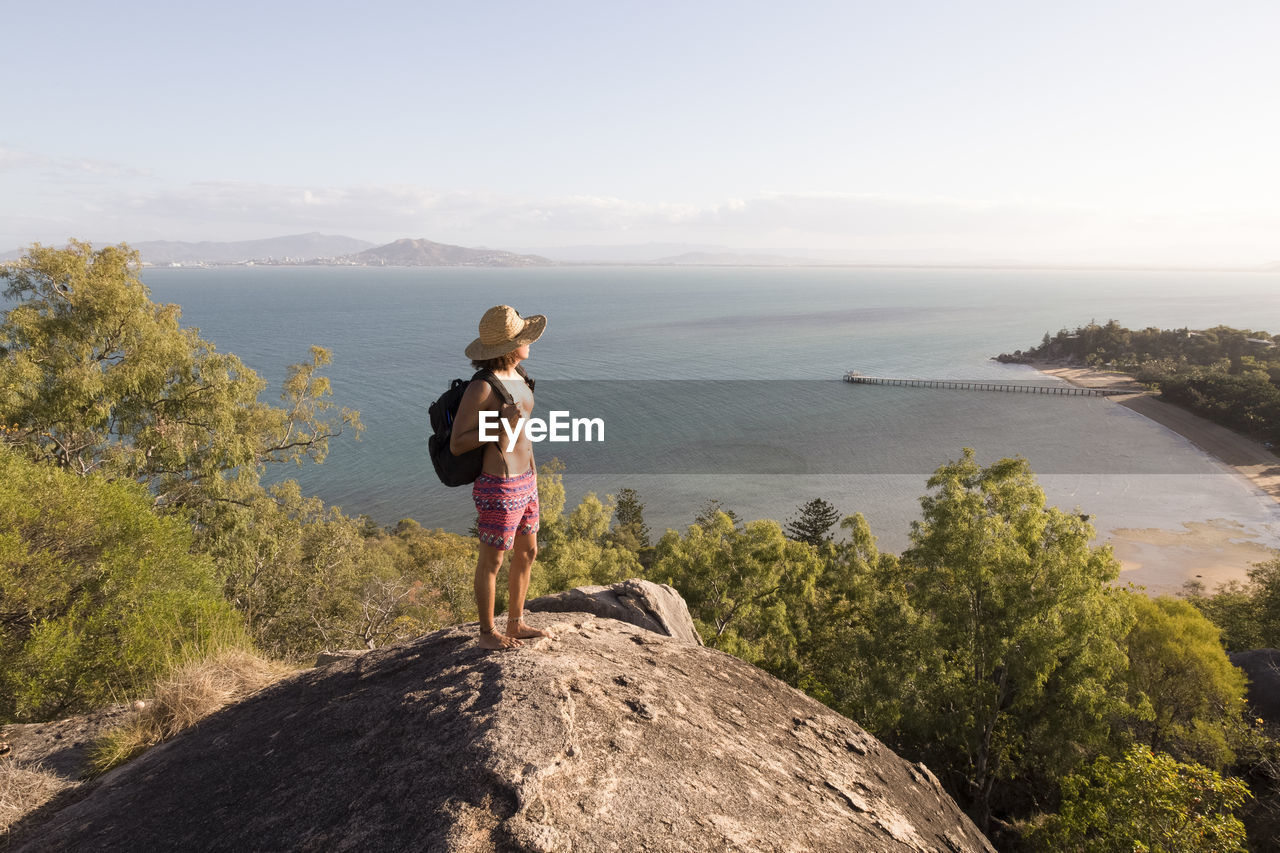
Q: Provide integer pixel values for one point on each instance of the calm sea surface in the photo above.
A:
(724, 383)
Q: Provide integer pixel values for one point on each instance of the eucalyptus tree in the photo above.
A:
(1186, 696)
(94, 376)
(750, 589)
(1022, 661)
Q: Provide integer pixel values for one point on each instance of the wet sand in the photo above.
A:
(1212, 551)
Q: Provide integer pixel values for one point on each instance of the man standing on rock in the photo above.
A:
(507, 503)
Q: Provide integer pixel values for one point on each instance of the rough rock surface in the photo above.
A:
(1263, 668)
(653, 606)
(61, 746)
(603, 737)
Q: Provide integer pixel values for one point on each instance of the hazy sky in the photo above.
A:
(1087, 132)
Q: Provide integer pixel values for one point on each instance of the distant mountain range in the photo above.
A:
(335, 250)
(295, 248)
(424, 253)
(323, 250)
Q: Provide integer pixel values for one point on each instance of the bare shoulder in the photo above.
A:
(478, 391)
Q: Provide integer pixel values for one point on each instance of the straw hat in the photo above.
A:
(502, 330)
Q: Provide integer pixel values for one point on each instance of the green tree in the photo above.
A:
(813, 522)
(443, 565)
(1264, 583)
(750, 590)
(590, 519)
(706, 516)
(308, 578)
(99, 596)
(552, 525)
(1145, 801)
(630, 531)
(1248, 614)
(1187, 697)
(586, 554)
(1233, 608)
(1024, 633)
(863, 652)
(579, 562)
(94, 376)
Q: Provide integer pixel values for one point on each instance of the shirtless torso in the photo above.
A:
(479, 397)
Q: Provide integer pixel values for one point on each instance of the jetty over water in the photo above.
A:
(1012, 388)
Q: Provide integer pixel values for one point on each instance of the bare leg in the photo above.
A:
(487, 566)
(518, 573)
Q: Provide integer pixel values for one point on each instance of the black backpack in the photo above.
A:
(460, 470)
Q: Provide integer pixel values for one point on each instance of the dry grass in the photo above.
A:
(23, 789)
(192, 692)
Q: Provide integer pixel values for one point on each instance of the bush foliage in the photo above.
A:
(99, 594)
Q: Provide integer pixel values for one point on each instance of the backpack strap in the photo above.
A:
(487, 375)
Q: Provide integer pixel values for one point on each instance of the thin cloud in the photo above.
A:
(13, 159)
(876, 215)
(868, 226)
(403, 210)
(419, 210)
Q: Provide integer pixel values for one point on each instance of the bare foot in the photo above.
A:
(525, 631)
(494, 640)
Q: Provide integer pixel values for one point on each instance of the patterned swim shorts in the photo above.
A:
(507, 506)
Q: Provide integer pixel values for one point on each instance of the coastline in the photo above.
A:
(1212, 551)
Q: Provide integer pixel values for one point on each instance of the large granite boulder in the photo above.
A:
(653, 606)
(605, 736)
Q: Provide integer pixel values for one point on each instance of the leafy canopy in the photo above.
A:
(94, 376)
(1146, 801)
(749, 588)
(1022, 633)
(99, 596)
(1186, 696)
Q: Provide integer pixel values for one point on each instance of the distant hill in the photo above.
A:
(424, 253)
(297, 248)
(733, 259)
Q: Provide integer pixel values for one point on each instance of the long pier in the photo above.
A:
(1065, 390)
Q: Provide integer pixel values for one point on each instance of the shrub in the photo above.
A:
(1145, 801)
(99, 596)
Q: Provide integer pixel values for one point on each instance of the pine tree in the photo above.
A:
(629, 513)
(813, 523)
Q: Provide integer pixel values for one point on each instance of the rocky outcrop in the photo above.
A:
(652, 606)
(60, 746)
(605, 736)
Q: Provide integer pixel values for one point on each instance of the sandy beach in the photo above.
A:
(1212, 551)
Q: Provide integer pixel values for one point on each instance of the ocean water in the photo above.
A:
(725, 382)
